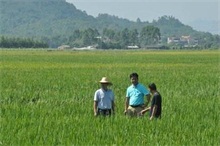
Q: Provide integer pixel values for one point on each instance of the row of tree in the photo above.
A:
(112, 39)
(148, 36)
(7, 42)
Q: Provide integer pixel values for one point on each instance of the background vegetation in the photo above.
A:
(47, 97)
(6, 42)
(55, 22)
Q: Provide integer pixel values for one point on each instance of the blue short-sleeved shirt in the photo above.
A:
(136, 94)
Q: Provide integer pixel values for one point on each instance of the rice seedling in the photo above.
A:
(47, 97)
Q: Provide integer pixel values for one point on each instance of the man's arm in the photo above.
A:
(145, 110)
(95, 105)
(154, 110)
(126, 104)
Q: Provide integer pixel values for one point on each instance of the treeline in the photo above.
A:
(112, 39)
(14, 42)
(148, 37)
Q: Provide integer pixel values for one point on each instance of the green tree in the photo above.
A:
(109, 33)
(89, 37)
(149, 35)
(124, 37)
(133, 37)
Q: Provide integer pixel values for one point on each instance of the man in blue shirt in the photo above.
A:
(135, 94)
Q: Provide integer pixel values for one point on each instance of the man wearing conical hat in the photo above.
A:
(104, 99)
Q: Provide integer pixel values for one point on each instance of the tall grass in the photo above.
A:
(46, 97)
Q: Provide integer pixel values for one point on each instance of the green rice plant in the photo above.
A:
(46, 97)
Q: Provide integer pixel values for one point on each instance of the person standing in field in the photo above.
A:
(156, 103)
(135, 94)
(104, 99)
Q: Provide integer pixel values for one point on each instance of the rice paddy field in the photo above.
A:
(46, 97)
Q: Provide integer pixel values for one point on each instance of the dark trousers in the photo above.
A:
(104, 112)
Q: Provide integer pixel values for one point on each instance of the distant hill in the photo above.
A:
(41, 18)
(57, 18)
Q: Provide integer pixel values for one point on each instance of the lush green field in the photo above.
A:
(47, 97)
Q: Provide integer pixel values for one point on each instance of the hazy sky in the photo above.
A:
(147, 10)
(187, 11)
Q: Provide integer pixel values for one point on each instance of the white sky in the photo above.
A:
(202, 15)
(147, 10)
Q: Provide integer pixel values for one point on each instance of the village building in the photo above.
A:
(186, 41)
(64, 47)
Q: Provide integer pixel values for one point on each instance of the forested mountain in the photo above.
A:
(41, 18)
(57, 20)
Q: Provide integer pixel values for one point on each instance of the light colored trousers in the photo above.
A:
(134, 111)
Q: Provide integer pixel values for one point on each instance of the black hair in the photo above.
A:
(152, 86)
(134, 75)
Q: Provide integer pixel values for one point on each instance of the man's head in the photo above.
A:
(152, 87)
(134, 78)
(105, 81)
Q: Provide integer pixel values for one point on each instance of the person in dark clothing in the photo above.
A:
(156, 103)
